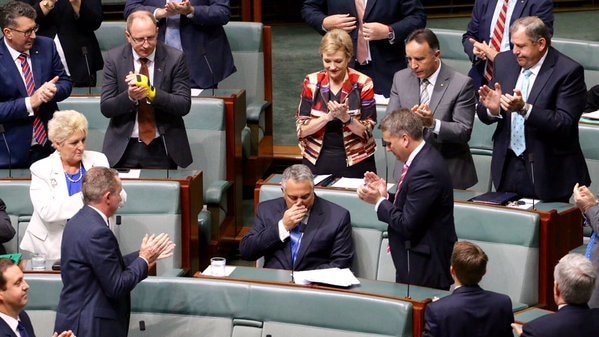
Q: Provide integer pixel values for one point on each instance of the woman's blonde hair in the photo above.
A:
(64, 123)
(335, 40)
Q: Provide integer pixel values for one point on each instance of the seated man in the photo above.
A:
(572, 289)
(300, 231)
(469, 310)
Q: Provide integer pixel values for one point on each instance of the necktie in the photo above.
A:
(172, 36)
(497, 38)
(424, 96)
(404, 171)
(362, 47)
(39, 131)
(296, 235)
(518, 142)
(592, 243)
(145, 113)
(22, 330)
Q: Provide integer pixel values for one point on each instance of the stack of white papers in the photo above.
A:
(591, 115)
(333, 276)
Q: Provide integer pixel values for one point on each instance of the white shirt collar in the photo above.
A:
(13, 53)
(537, 67)
(415, 152)
(11, 321)
(101, 214)
(150, 57)
(433, 78)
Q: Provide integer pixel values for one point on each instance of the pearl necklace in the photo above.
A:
(75, 180)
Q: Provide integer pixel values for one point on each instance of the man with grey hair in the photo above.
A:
(536, 101)
(574, 283)
(300, 231)
(97, 279)
(420, 214)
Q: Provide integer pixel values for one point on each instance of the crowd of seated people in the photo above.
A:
(533, 93)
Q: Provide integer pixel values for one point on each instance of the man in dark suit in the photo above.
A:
(13, 299)
(72, 23)
(97, 279)
(536, 102)
(443, 99)
(146, 111)
(477, 39)
(574, 283)
(32, 79)
(300, 231)
(384, 25)
(469, 310)
(420, 214)
(197, 30)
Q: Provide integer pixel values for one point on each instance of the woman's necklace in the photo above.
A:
(77, 179)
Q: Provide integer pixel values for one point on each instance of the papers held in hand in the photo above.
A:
(331, 276)
(495, 198)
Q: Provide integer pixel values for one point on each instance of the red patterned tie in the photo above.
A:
(497, 38)
(404, 171)
(145, 113)
(362, 47)
(39, 131)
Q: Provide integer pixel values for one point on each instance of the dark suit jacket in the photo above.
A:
(423, 217)
(5, 330)
(172, 102)
(452, 102)
(326, 243)
(469, 311)
(97, 279)
(75, 35)
(18, 125)
(569, 321)
(551, 129)
(404, 16)
(203, 38)
(592, 215)
(479, 28)
(7, 231)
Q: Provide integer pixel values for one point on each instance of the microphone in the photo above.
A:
(89, 72)
(161, 132)
(531, 159)
(3, 132)
(203, 52)
(118, 220)
(408, 245)
(386, 166)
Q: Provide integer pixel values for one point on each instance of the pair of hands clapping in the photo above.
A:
(156, 247)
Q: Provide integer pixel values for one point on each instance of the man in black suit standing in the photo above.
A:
(574, 283)
(145, 94)
(13, 299)
(469, 310)
(420, 214)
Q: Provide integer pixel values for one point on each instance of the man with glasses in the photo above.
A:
(32, 80)
(300, 231)
(145, 94)
(443, 99)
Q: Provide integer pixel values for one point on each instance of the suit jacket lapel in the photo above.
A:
(411, 92)
(57, 178)
(159, 62)
(36, 65)
(517, 13)
(11, 69)
(542, 77)
(5, 330)
(368, 9)
(311, 230)
(440, 87)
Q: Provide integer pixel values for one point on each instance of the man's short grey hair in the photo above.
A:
(576, 278)
(12, 10)
(99, 180)
(402, 121)
(534, 28)
(298, 173)
(140, 15)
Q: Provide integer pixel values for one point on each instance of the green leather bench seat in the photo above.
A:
(15, 194)
(97, 123)
(186, 307)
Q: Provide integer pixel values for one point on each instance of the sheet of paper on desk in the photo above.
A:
(131, 174)
(524, 203)
(228, 270)
(333, 276)
(320, 177)
(196, 92)
(353, 183)
(381, 100)
(591, 115)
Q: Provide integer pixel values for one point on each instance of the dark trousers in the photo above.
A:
(515, 177)
(139, 155)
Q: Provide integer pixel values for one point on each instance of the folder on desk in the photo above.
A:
(495, 198)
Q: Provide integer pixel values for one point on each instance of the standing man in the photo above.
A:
(196, 28)
(444, 101)
(536, 102)
(13, 299)
(300, 231)
(420, 214)
(32, 80)
(377, 28)
(574, 282)
(469, 310)
(145, 94)
(97, 279)
(488, 31)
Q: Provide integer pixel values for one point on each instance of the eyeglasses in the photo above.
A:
(26, 33)
(142, 40)
(384, 143)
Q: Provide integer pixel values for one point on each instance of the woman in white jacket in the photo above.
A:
(56, 183)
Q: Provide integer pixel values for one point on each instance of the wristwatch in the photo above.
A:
(391, 34)
(524, 109)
